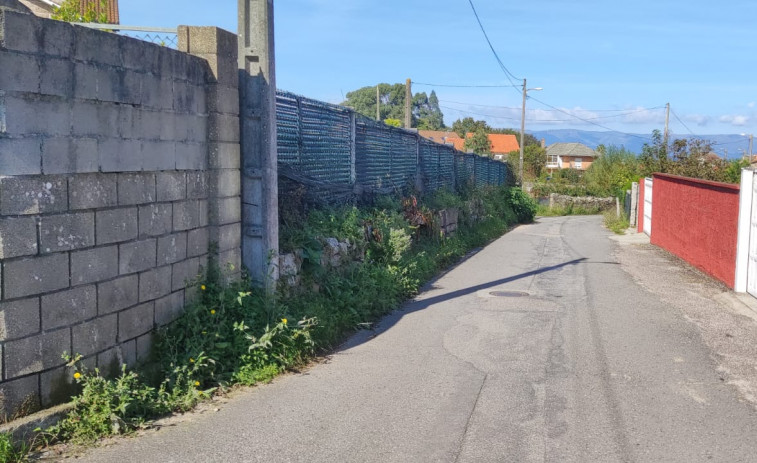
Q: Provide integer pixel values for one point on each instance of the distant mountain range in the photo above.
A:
(730, 145)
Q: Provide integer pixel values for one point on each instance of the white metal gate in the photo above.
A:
(648, 206)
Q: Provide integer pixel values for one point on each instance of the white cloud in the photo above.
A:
(736, 120)
(699, 119)
(750, 104)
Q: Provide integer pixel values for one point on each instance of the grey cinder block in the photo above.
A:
(21, 156)
(136, 188)
(185, 273)
(91, 191)
(155, 219)
(18, 237)
(66, 232)
(69, 155)
(116, 225)
(33, 195)
(172, 248)
(36, 353)
(117, 294)
(197, 242)
(137, 256)
(35, 275)
(65, 308)
(168, 308)
(171, 185)
(93, 265)
(19, 318)
(154, 283)
(95, 335)
(135, 321)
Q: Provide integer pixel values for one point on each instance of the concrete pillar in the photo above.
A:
(257, 114)
(634, 204)
(219, 48)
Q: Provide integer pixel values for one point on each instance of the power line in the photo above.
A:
(465, 86)
(682, 123)
(587, 120)
(510, 76)
(621, 112)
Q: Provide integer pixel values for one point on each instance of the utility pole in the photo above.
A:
(522, 132)
(378, 103)
(408, 99)
(750, 147)
(257, 118)
(667, 122)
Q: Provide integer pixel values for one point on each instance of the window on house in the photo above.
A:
(577, 163)
(552, 160)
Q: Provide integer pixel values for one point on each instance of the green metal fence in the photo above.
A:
(338, 154)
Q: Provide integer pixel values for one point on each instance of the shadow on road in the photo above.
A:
(415, 305)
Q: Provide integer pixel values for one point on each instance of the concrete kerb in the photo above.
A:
(23, 429)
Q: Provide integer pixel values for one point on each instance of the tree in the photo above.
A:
(479, 143)
(469, 125)
(612, 171)
(70, 11)
(534, 160)
(425, 111)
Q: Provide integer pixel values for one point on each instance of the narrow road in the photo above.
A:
(541, 347)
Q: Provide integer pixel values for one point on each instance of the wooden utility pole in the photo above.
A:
(378, 103)
(667, 122)
(408, 100)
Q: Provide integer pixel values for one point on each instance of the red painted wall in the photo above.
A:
(697, 220)
(640, 214)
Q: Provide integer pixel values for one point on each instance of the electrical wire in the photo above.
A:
(510, 76)
(587, 120)
(625, 112)
(682, 123)
(465, 86)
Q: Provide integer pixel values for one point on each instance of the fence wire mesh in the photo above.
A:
(167, 37)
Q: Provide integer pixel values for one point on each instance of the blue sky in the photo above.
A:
(613, 63)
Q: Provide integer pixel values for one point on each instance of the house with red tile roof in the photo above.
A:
(501, 144)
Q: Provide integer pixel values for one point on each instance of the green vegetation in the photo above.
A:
(11, 452)
(570, 209)
(70, 11)
(479, 143)
(426, 114)
(234, 335)
(615, 223)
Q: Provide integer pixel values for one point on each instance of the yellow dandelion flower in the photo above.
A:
(202, 287)
(191, 360)
(197, 383)
(284, 321)
(212, 311)
(77, 375)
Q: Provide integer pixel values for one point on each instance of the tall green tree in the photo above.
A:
(479, 143)
(469, 125)
(425, 111)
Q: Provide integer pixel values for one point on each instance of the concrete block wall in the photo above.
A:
(119, 164)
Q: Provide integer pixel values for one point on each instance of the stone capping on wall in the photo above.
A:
(119, 164)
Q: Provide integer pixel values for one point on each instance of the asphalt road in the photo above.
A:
(588, 364)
